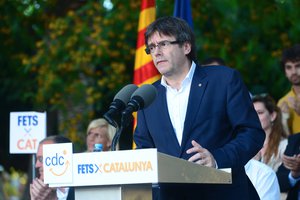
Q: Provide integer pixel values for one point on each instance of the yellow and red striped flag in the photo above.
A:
(144, 69)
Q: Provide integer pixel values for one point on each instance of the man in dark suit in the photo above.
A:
(201, 114)
(288, 173)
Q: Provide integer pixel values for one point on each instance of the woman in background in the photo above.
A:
(276, 138)
(99, 131)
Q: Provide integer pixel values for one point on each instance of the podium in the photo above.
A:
(130, 174)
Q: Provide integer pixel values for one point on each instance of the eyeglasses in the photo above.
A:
(161, 45)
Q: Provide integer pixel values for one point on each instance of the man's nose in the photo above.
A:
(157, 50)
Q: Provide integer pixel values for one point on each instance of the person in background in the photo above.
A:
(290, 103)
(213, 61)
(201, 114)
(289, 172)
(99, 131)
(38, 189)
(276, 138)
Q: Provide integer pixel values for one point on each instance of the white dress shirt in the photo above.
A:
(177, 101)
(62, 193)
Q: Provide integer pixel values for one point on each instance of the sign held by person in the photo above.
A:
(57, 161)
(27, 129)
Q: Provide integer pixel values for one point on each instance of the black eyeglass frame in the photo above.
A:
(148, 51)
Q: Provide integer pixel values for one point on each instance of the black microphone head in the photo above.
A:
(119, 103)
(144, 95)
(140, 99)
(125, 93)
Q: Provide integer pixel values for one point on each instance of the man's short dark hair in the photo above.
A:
(290, 55)
(176, 27)
(56, 139)
(210, 60)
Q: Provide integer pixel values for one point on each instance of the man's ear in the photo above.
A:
(187, 48)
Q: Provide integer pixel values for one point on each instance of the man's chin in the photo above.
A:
(295, 80)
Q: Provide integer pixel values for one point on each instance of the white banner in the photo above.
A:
(27, 129)
(111, 167)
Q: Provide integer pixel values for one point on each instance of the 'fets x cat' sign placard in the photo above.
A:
(27, 129)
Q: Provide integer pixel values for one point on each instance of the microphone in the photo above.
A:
(140, 99)
(119, 103)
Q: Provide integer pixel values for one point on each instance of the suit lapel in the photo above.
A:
(198, 86)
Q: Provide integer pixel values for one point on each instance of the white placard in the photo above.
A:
(27, 129)
(57, 163)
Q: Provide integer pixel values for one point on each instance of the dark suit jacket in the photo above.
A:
(71, 194)
(220, 117)
(292, 148)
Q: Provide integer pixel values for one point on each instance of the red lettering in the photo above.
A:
(26, 144)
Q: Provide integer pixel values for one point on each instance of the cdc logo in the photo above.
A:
(58, 163)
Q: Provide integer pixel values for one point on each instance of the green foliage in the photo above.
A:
(81, 61)
(249, 36)
(73, 56)
(15, 40)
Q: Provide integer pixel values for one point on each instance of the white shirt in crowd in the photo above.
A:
(62, 193)
(264, 180)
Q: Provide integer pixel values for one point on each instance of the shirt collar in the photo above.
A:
(187, 79)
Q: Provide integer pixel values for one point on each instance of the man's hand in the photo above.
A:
(292, 163)
(41, 191)
(202, 156)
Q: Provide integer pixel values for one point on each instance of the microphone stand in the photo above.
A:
(125, 121)
(116, 138)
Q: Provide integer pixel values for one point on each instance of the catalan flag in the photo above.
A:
(144, 69)
(182, 9)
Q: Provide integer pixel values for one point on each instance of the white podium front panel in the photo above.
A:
(121, 167)
(143, 166)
